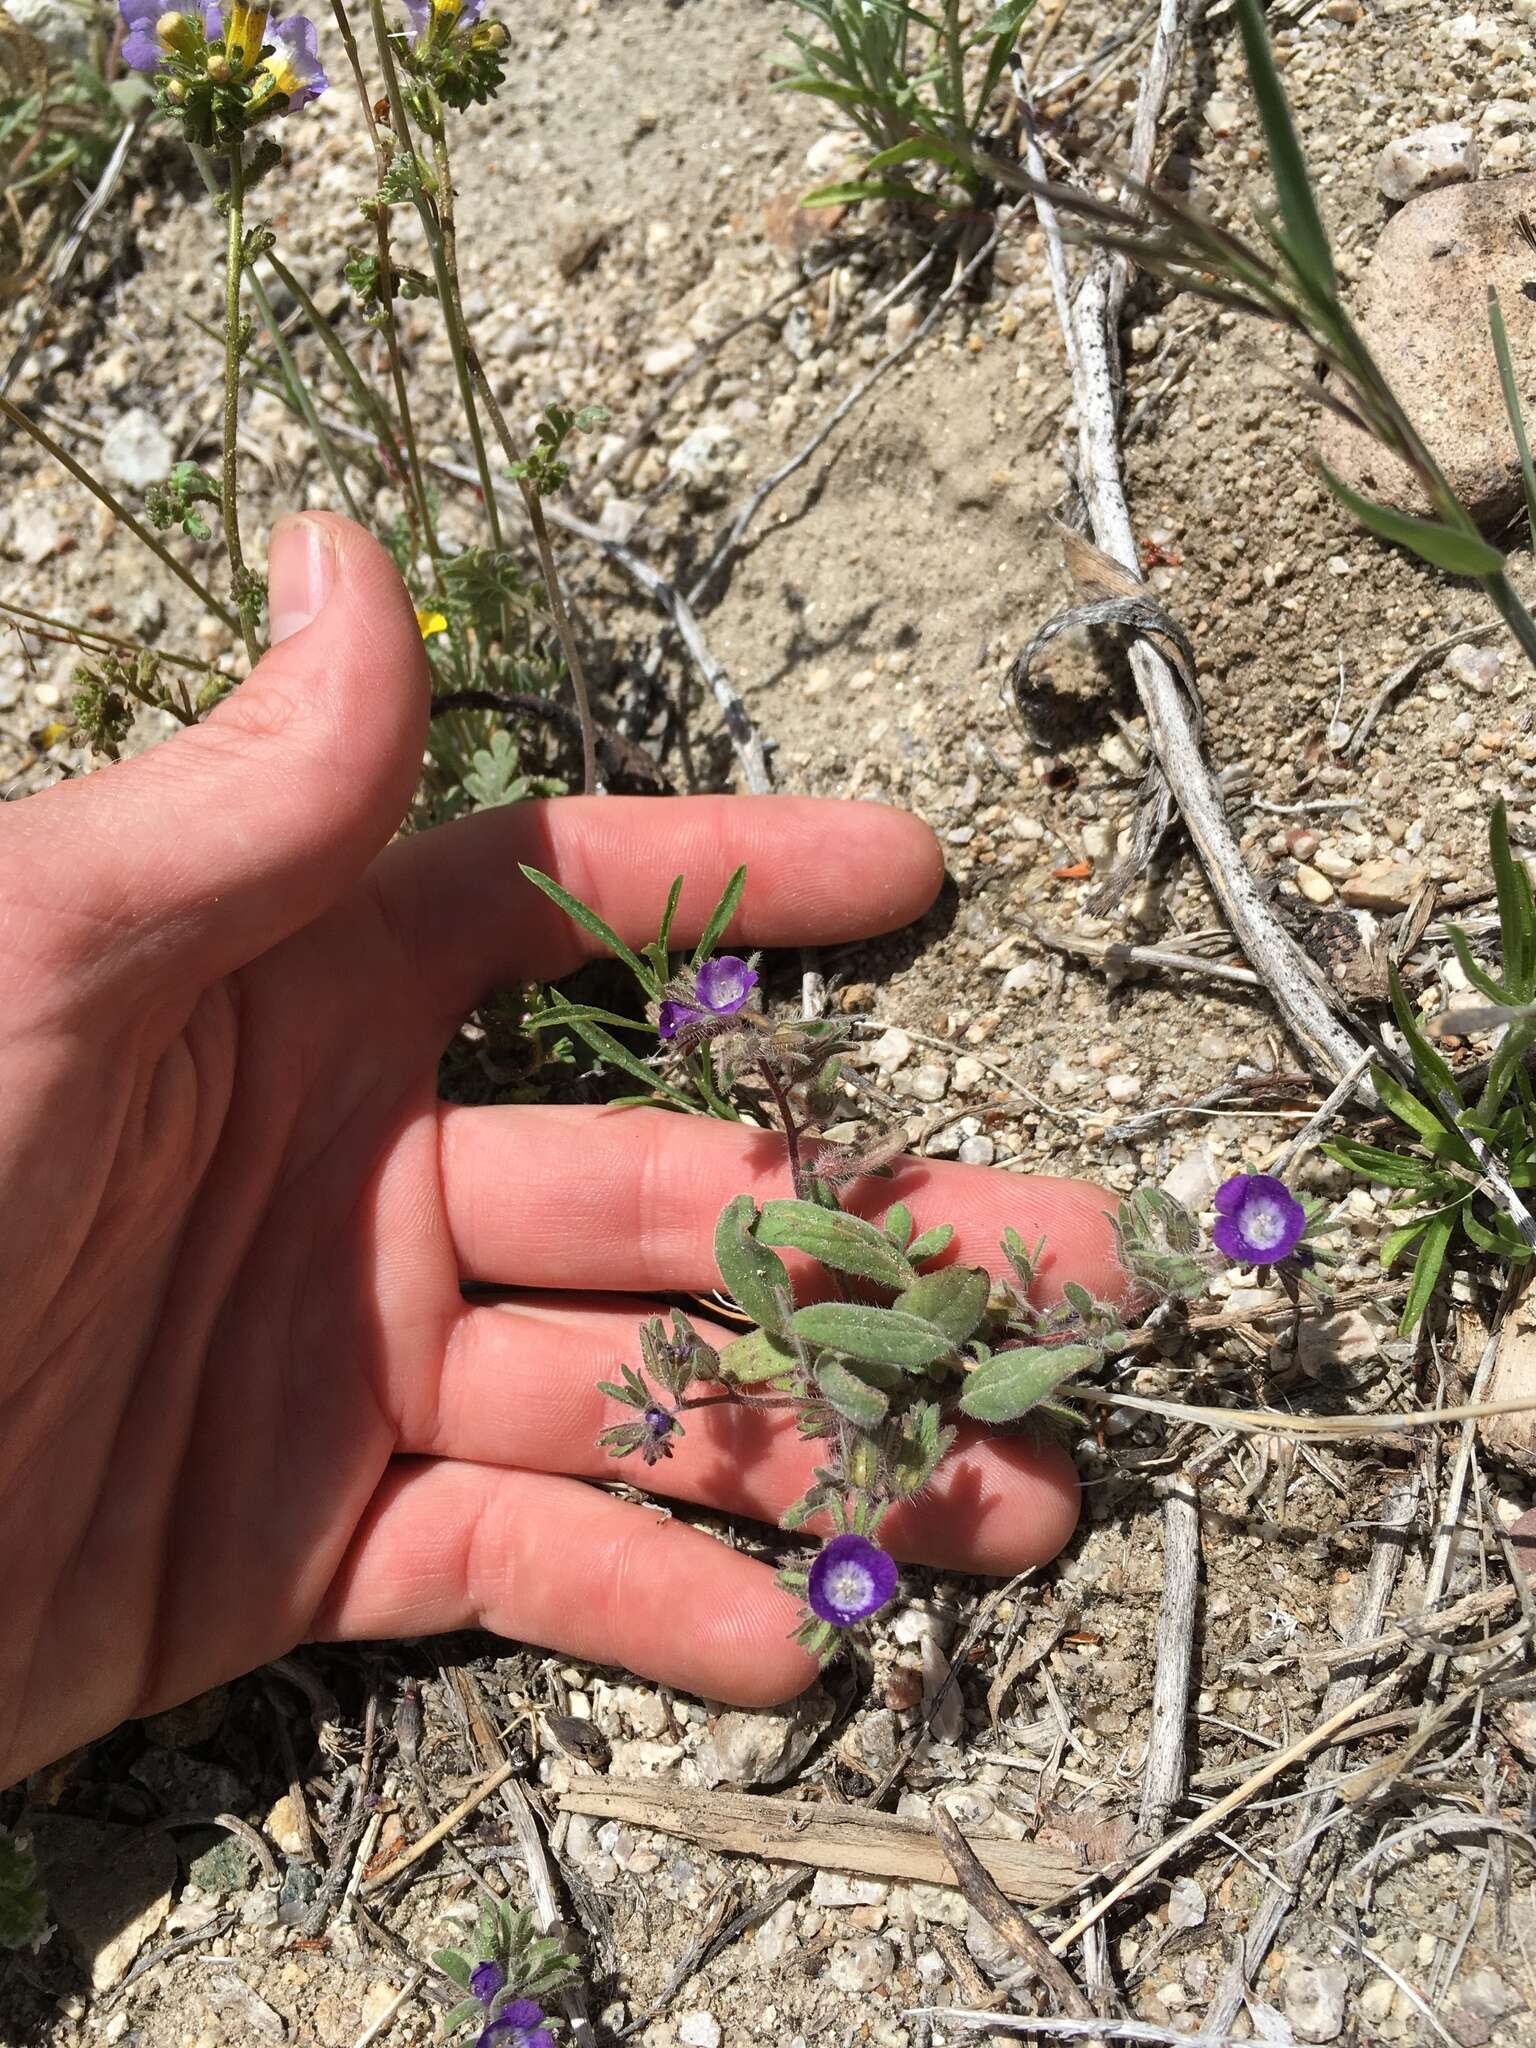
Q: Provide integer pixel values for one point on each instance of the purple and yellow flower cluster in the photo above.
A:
(278, 60)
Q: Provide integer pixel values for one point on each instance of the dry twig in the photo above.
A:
(1003, 1916)
(1165, 1769)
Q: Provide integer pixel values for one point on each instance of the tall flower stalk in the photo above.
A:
(229, 477)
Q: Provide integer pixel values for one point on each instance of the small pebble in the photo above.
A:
(930, 1083)
(1123, 1087)
(1443, 155)
(699, 2030)
(978, 1151)
(1315, 887)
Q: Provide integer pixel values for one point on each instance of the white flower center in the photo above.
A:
(849, 1586)
(1265, 1222)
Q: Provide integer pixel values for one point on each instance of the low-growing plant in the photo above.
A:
(906, 78)
(505, 1976)
(1442, 1173)
(23, 1904)
(883, 1346)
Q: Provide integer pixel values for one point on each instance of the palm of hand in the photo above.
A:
(249, 1401)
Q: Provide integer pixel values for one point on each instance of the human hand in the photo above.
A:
(242, 1398)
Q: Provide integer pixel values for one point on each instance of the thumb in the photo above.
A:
(199, 854)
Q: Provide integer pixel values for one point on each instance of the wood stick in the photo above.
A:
(1166, 1766)
(1003, 1916)
(851, 1838)
(1090, 331)
(445, 1826)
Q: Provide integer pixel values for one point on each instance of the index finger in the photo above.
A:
(820, 872)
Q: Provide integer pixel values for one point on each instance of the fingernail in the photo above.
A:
(301, 568)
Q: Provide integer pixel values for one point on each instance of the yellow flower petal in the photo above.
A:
(430, 623)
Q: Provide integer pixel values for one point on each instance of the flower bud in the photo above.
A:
(219, 70)
(175, 31)
(491, 36)
(863, 1465)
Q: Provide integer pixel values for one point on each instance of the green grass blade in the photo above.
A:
(1433, 1248)
(1479, 977)
(612, 1054)
(1446, 547)
(720, 917)
(1308, 238)
(589, 921)
(1435, 1076)
(1512, 404)
(1515, 923)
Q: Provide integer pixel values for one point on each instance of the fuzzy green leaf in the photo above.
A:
(852, 1397)
(589, 921)
(1445, 547)
(834, 1238)
(887, 1336)
(1376, 1163)
(453, 1963)
(954, 1300)
(930, 1243)
(1010, 1384)
(612, 1054)
(753, 1274)
(720, 917)
(755, 1357)
(461, 2014)
(897, 1225)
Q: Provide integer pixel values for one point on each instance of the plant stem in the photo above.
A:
(567, 637)
(298, 390)
(234, 266)
(1512, 611)
(118, 509)
(798, 1176)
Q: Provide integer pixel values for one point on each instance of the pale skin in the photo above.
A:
(244, 1401)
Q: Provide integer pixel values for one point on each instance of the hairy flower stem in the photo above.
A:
(119, 510)
(229, 502)
(799, 1177)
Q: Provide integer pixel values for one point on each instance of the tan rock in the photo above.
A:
(1382, 885)
(1423, 312)
(1315, 887)
(1513, 1437)
(108, 1887)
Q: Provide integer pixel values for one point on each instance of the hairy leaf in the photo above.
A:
(851, 1396)
(589, 921)
(834, 1238)
(953, 1300)
(930, 1243)
(887, 1336)
(720, 917)
(753, 1274)
(453, 1964)
(756, 1357)
(1010, 1384)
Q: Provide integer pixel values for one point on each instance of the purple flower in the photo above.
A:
(443, 15)
(294, 65)
(658, 1423)
(485, 1980)
(153, 33)
(720, 988)
(851, 1579)
(1259, 1221)
(518, 2025)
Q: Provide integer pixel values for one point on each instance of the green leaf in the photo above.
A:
(757, 1356)
(720, 917)
(560, 1013)
(1405, 1105)
(1293, 186)
(1010, 1384)
(1446, 547)
(1479, 976)
(953, 1300)
(656, 951)
(589, 921)
(855, 190)
(612, 1054)
(1375, 1162)
(1434, 1074)
(1427, 1268)
(897, 1224)
(929, 1243)
(1511, 392)
(453, 1964)
(887, 1336)
(834, 1238)
(852, 1397)
(1517, 920)
(915, 147)
(754, 1275)
(461, 2014)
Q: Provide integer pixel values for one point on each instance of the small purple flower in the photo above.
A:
(142, 47)
(518, 2025)
(1259, 1221)
(720, 988)
(658, 1423)
(851, 1579)
(294, 65)
(485, 1980)
(444, 15)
